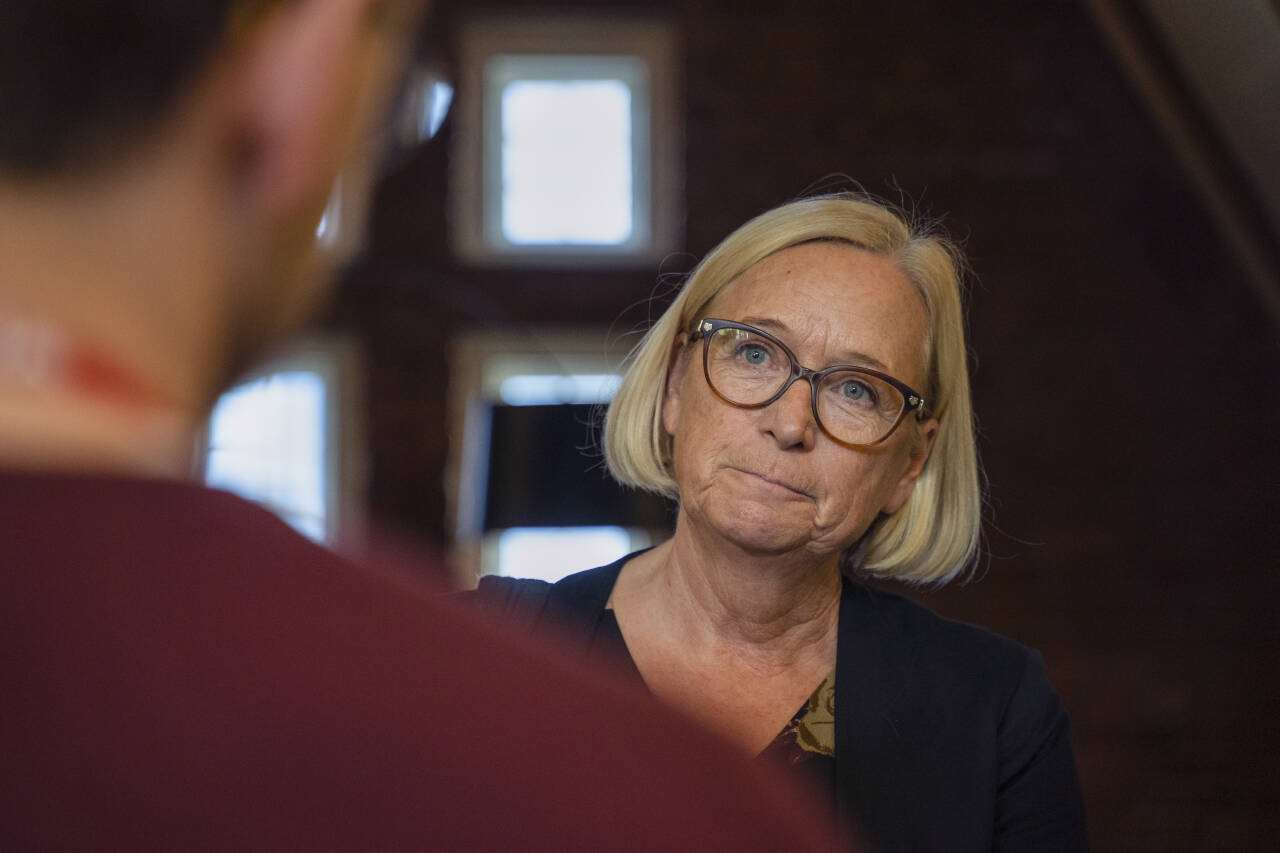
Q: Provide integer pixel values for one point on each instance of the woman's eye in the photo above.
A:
(754, 354)
(851, 389)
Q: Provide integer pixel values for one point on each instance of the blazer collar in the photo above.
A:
(873, 671)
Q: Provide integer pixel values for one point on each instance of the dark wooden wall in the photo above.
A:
(1126, 377)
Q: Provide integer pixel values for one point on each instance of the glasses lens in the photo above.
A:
(857, 407)
(746, 368)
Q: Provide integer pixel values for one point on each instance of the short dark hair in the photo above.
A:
(81, 80)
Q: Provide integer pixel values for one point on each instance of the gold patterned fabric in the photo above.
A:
(806, 746)
(814, 725)
(812, 730)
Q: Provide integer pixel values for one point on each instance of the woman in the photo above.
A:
(805, 400)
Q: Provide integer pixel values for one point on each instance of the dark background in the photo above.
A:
(1125, 370)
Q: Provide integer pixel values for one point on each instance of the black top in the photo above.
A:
(948, 737)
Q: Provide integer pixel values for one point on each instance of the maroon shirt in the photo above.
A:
(180, 670)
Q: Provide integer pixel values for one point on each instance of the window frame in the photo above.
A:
(335, 359)
(475, 180)
(480, 360)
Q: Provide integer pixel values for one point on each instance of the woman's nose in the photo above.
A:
(789, 419)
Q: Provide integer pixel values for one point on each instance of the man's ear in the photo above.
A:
(919, 455)
(676, 364)
(300, 92)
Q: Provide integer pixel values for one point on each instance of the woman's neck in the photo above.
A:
(767, 610)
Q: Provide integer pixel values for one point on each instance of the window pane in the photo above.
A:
(550, 553)
(540, 389)
(267, 444)
(566, 162)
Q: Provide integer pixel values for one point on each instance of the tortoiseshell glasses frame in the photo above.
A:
(884, 401)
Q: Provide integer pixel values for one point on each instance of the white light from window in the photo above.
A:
(267, 444)
(439, 97)
(566, 162)
(331, 220)
(550, 553)
(547, 389)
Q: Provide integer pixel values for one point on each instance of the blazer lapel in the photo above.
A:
(873, 676)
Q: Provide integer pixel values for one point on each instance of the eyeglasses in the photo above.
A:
(855, 406)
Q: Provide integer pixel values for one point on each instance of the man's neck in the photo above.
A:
(107, 286)
(44, 432)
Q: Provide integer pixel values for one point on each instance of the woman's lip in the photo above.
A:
(767, 479)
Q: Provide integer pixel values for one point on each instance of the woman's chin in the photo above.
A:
(762, 534)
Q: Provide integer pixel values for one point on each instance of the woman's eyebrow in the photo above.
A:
(855, 358)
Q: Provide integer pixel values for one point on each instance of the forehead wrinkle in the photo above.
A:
(781, 268)
(851, 357)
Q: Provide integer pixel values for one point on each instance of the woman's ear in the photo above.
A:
(919, 454)
(677, 361)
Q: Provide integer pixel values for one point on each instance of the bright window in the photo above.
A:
(540, 389)
(566, 143)
(528, 494)
(267, 444)
(550, 553)
(288, 436)
(567, 162)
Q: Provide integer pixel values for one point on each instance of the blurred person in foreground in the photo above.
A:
(805, 400)
(180, 669)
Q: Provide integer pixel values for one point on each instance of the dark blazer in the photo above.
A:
(948, 737)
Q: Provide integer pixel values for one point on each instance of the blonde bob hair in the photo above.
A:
(934, 536)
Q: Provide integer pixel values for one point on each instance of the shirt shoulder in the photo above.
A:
(922, 638)
(187, 671)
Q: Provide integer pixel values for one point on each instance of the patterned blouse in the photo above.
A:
(806, 746)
